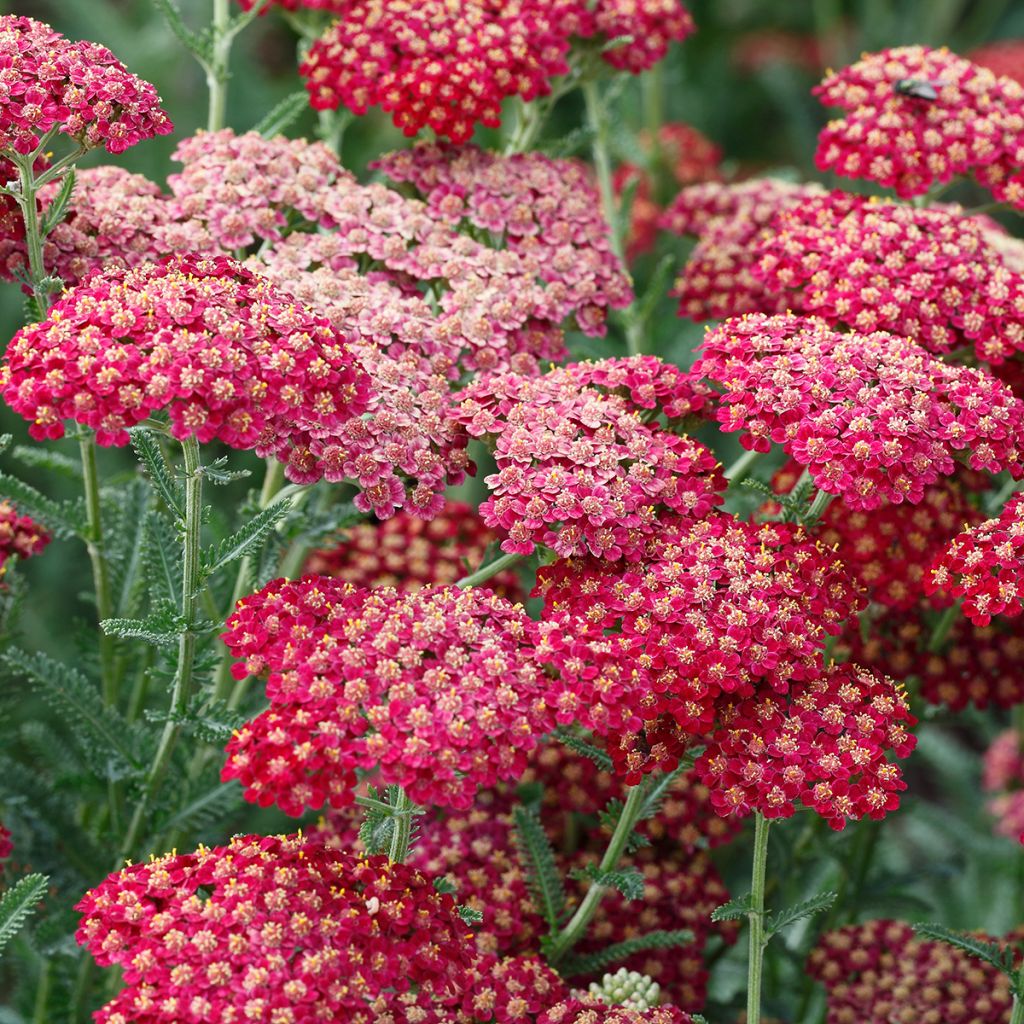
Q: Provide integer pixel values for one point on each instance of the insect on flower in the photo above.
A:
(919, 88)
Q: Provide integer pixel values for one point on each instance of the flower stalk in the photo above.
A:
(491, 569)
(402, 835)
(758, 942)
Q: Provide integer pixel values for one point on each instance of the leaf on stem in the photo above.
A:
(628, 881)
(538, 860)
(18, 903)
(192, 41)
(245, 540)
(282, 116)
(57, 210)
(579, 745)
(158, 472)
(998, 956)
(590, 963)
(797, 912)
(62, 518)
(733, 910)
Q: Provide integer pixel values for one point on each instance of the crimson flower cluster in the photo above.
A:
(880, 971)
(585, 1011)
(915, 117)
(873, 418)
(274, 928)
(20, 535)
(50, 84)
(437, 690)
(983, 565)
(512, 990)
(223, 351)
(582, 468)
(825, 744)
(6, 846)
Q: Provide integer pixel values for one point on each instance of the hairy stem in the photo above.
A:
(576, 927)
(402, 834)
(182, 690)
(28, 203)
(755, 962)
(217, 68)
(1017, 1014)
(485, 572)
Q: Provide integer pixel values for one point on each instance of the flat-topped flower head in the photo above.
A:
(730, 221)
(540, 208)
(873, 418)
(590, 1010)
(408, 554)
(582, 467)
(227, 355)
(915, 118)
(20, 535)
(707, 611)
(439, 691)
(636, 33)
(512, 990)
(49, 84)
(878, 265)
(881, 971)
(826, 745)
(442, 64)
(274, 928)
(983, 565)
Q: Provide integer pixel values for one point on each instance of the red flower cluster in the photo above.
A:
(916, 117)
(439, 690)
(579, 467)
(872, 417)
(645, 28)
(879, 971)
(6, 846)
(730, 221)
(1004, 58)
(436, 63)
(274, 929)
(225, 353)
(708, 612)
(586, 1011)
(19, 535)
(50, 84)
(983, 566)
(1003, 777)
(544, 210)
(825, 745)
(513, 990)
(407, 553)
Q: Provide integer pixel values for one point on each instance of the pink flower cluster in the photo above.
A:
(408, 554)
(544, 210)
(49, 84)
(20, 535)
(873, 418)
(438, 690)
(581, 467)
(825, 745)
(586, 1011)
(512, 990)
(719, 278)
(708, 612)
(915, 117)
(636, 33)
(1003, 778)
(983, 566)
(274, 928)
(223, 351)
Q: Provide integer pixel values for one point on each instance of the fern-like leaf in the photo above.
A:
(209, 808)
(62, 518)
(797, 912)
(146, 447)
(992, 953)
(538, 859)
(161, 557)
(18, 903)
(591, 963)
(57, 210)
(48, 460)
(733, 910)
(285, 114)
(579, 745)
(628, 881)
(247, 539)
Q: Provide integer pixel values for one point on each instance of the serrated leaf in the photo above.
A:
(784, 918)
(62, 518)
(999, 957)
(378, 826)
(469, 915)
(217, 474)
(56, 211)
(192, 41)
(159, 474)
(628, 881)
(286, 113)
(161, 555)
(216, 723)
(245, 540)
(151, 630)
(209, 808)
(538, 859)
(591, 963)
(733, 910)
(577, 743)
(47, 459)
(444, 887)
(654, 798)
(656, 289)
(17, 904)
(5, 442)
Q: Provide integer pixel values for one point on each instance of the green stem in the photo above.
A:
(576, 927)
(755, 962)
(1017, 1014)
(217, 68)
(181, 692)
(403, 812)
(822, 500)
(942, 627)
(98, 558)
(40, 1013)
(740, 469)
(485, 572)
(33, 233)
(598, 123)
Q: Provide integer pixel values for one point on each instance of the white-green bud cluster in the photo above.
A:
(627, 988)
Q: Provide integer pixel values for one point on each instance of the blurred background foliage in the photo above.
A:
(744, 79)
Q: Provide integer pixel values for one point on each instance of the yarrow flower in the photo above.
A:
(593, 1011)
(226, 354)
(719, 279)
(824, 745)
(636, 33)
(707, 612)
(1003, 57)
(916, 117)
(1003, 778)
(20, 535)
(873, 418)
(438, 690)
(983, 566)
(512, 990)
(274, 928)
(408, 554)
(580, 467)
(80, 89)
(881, 971)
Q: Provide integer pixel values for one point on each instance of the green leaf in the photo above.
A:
(733, 910)
(378, 826)
(48, 460)
(577, 743)
(628, 881)
(656, 289)
(797, 912)
(161, 556)
(154, 629)
(217, 722)
(591, 963)
(192, 41)
(217, 473)
(18, 903)
(992, 953)
(609, 818)
(538, 860)
(654, 798)
(444, 887)
(62, 518)
(210, 808)
(469, 915)
(242, 542)
(56, 211)
(285, 114)
(147, 448)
